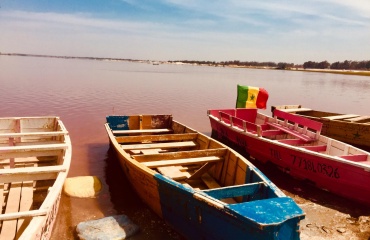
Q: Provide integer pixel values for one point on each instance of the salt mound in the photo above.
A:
(82, 187)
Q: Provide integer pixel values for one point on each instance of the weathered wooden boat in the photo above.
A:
(349, 128)
(35, 155)
(295, 144)
(200, 187)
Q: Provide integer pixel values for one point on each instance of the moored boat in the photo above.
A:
(199, 186)
(349, 128)
(35, 156)
(296, 145)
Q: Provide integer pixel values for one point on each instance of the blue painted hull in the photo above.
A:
(196, 218)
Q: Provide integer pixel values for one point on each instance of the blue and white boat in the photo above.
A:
(199, 186)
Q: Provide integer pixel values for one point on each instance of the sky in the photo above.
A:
(293, 31)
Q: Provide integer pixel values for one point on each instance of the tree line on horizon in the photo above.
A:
(345, 65)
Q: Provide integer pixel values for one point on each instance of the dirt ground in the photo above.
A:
(327, 216)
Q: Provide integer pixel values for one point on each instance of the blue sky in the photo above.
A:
(291, 31)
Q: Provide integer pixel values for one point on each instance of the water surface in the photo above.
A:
(83, 92)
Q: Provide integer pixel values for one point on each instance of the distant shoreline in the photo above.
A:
(345, 72)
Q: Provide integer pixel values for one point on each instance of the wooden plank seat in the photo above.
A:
(340, 117)
(185, 144)
(261, 130)
(141, 131)
(272, 132)
(29, 150)
(33, 134)
(184, 161)
(315, 148)
(245, 125)
(211, 183)
(292, 141)
(356, 158)
(293, 129)
(30, 173)
(294, 110)
(219, 152)
(357, 119)
(157, 138)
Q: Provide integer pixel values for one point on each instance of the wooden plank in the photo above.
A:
(273, 132)
(185, 161)
(30, 174)
(174, 172)
(201, 171)
(15, 215)
(1, 197)
(358, 119)
(136, 131)
(150, 151)
(34, 134)
(314, 125)
(25, 204)
(28, 148)
(317, 148)
(294, 110)
(211, 183)
(339, 117)
(159, 145)
(34, 153)
(292, 132)
(30, 160)
(157, 138)
(9, 227)
(293, 142)
(181, 154)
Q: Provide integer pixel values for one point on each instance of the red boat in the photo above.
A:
(294, 143)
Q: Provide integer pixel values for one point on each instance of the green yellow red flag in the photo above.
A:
(251, 97)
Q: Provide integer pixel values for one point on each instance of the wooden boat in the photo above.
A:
(295, 144)
(35, 155)
(349, 128)
(202, 188)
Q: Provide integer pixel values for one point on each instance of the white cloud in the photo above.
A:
(244, 30)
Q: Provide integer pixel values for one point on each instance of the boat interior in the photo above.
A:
(353, 118)
(192, 159)
(30, 158)
(288, 129)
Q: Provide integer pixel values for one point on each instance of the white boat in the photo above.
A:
(35, 156)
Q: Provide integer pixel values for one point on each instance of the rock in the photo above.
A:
(113, 227)
(82, 187)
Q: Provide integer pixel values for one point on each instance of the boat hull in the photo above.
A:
(197, 215)
(332, 175)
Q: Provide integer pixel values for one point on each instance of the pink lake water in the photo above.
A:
(83, 92)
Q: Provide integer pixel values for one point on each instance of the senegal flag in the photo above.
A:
(251, 97)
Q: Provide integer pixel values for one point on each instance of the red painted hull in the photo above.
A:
(352, 182)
